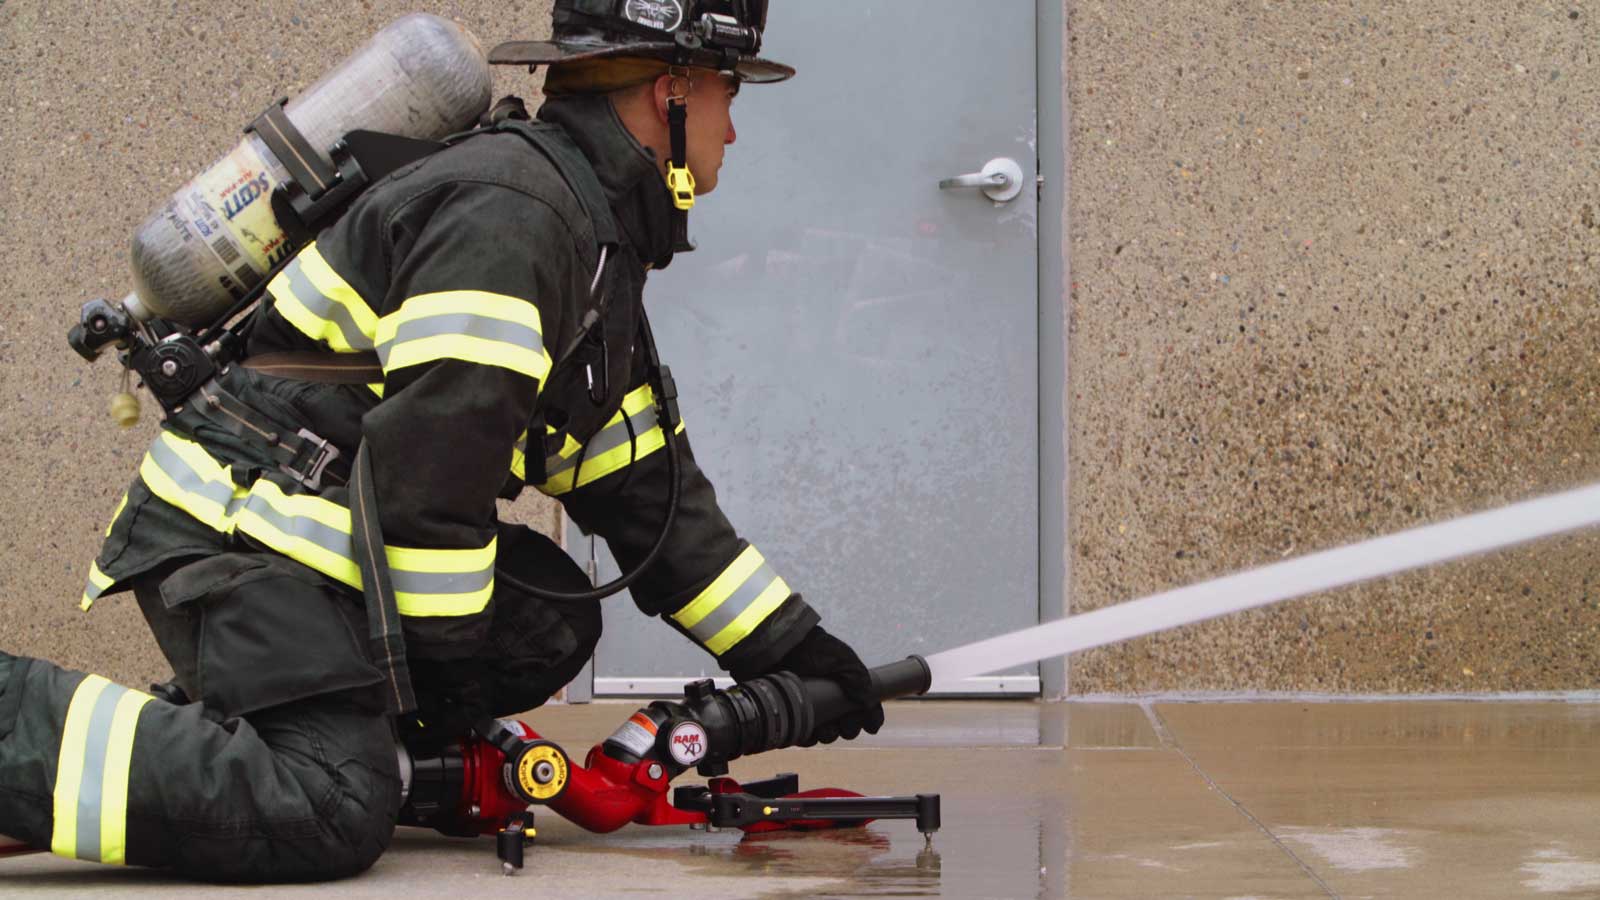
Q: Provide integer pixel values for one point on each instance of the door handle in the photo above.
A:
(1001, 180)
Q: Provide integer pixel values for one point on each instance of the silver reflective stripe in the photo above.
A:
(441, 582)
(609, 438)
(338, 542)
(323, 307)
(303, 527)
(463, 324)
(328, 538)
(94, 766)
(187, 479)
(737, 602)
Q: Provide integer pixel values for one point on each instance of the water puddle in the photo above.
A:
(1555, 871)
(1354, 849)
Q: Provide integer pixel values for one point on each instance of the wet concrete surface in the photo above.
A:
(1224, 800)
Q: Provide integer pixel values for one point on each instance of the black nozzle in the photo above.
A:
(906, 678)
(774, 711)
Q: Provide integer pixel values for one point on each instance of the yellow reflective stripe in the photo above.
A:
(618, 454)
(313, 298)
(734, 603)
(473, 326)
(119, 762)
(437, 571)
(208, 498)
(562, 482)
(254, 521)
(613, 460)
(754, 615)
(122, 505)
(98, 582)
(420, 559)
(420, 606)
(98, 578)
(69, 766)
(519, 457)
(717, 593)
(426, 582)
(637, 401)
(314, 531)
(90, 801)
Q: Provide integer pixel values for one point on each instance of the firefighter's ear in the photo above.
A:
(663, 91)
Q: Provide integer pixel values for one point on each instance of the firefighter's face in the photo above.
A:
(710, 124)
(710, 128)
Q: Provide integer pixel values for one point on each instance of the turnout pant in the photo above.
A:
(285, 767)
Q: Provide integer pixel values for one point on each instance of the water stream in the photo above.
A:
(1362, 561)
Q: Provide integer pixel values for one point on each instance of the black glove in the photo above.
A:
(821, 655)
(451, 698)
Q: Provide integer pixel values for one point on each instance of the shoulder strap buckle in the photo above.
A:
(311, 460)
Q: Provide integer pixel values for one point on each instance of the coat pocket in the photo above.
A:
(271, 632)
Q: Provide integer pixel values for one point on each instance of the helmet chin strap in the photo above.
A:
(680, 181)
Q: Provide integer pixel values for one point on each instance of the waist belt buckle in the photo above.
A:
(326, 453)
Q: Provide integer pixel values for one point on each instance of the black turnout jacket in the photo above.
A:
(471, 273)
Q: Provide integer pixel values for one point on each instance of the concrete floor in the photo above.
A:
(1236, 800)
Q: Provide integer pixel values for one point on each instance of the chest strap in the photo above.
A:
(302, 455)
(324, 367)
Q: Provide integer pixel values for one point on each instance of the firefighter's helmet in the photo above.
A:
(716, 34)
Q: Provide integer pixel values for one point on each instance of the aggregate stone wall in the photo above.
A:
(1334, 275)
(106, 106)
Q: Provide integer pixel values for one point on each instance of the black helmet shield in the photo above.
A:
(717, 34)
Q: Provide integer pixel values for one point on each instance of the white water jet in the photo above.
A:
(1310, 574)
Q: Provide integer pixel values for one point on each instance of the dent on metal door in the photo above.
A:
(855, 347)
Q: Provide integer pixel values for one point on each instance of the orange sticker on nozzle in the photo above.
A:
(637, 735)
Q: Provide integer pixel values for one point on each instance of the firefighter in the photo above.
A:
(319, 556)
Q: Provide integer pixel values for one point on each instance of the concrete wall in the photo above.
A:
(1331, 278)
(1334, 276)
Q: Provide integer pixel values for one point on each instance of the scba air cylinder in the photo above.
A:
(421, 77)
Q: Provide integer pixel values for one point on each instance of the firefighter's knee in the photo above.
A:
(364, 769)
(361, 832)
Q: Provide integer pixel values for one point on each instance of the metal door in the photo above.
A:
(856, 348)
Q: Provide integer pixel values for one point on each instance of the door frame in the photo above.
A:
(1053, 153)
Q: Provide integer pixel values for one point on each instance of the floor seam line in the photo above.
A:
(1168, 740)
